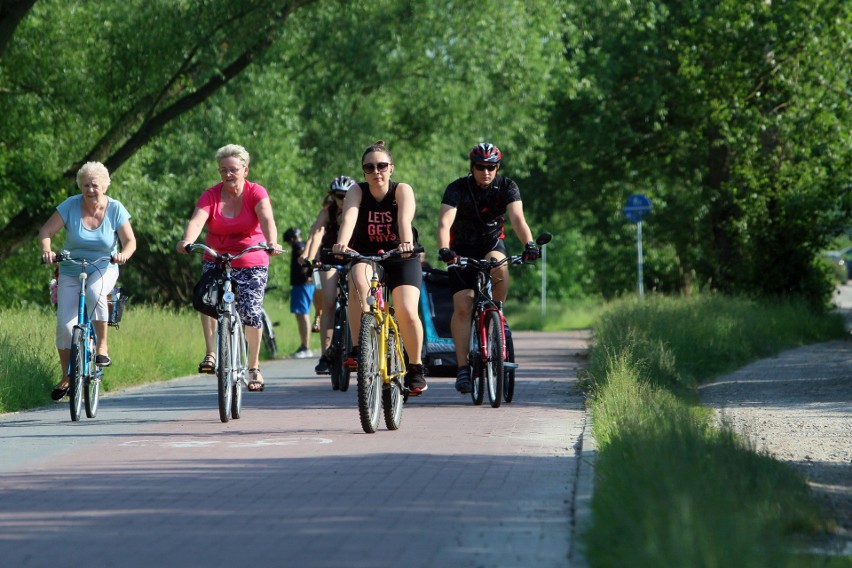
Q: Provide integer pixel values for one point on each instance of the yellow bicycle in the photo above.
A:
(381, 362)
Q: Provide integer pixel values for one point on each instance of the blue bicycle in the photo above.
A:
(84, 374)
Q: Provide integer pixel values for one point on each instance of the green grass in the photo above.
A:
(152, 344)
(672, 489)
(559, 316)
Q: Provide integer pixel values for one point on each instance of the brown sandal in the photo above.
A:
(255, 380)
(208, 365)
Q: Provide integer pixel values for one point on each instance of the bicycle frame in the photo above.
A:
(88, 329)
(382, 311)
(484, 303)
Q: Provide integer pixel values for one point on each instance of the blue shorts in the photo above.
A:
(301, 298)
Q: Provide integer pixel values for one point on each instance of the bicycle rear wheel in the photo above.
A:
(336, 351)
(477, 376)
(369, 378)
(238, 349)
(494, 366)
(392, 397)
(76, 373)
(224, 368)
(509, 373)
(268, 335)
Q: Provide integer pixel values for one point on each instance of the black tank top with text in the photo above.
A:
(376, 228)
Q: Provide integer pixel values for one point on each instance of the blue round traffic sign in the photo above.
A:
(638, 205)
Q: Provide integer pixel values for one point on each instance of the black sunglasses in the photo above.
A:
(483, 167)
(380, 167)
(339, 195)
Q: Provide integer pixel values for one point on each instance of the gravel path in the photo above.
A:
(798, 408)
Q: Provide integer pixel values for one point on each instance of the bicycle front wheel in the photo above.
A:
(369, 377)
(224, 368)
(76, 373)
(93, 383)
(494, 366)
(392, 397)
(477, 372)
(238, 349)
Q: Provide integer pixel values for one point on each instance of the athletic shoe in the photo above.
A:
(303, 353)
(324, 366)
(463, 383)
(415, 382)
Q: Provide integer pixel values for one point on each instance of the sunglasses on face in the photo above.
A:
(380, 167)
(339, 195)
(483, 167)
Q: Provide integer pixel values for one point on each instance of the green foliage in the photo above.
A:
(672, 490)
(730, 118)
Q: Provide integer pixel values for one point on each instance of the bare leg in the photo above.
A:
(405, 301)
(64, 357)
(359, 289)
(208, 327)
(460, 324)
(304, 323)
(101, 328)
(329, 300)
(253, 336)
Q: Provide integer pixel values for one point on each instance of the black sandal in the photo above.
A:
(208, 365)
(255, 384)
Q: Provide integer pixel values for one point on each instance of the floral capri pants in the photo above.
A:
(251, 283)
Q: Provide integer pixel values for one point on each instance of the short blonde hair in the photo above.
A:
(233, 151)
(95, 170)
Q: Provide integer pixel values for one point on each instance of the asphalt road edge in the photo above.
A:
(586, 451)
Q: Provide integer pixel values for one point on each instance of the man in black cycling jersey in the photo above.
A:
(470, 224)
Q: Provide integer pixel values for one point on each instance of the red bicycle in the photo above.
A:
(489, 366)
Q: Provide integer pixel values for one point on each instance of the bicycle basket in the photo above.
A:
(116, 310)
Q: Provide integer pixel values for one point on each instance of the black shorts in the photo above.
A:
(400, 271)
(465, 278)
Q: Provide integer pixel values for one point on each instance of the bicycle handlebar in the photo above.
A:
(65, 255)
(192, 247)
(374, 258)
(486, 263)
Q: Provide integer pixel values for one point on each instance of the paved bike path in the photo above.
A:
(157, 479)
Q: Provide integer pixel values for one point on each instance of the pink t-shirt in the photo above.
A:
(233, 234)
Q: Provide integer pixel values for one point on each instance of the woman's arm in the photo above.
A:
(193, 229)
(263, 209)
(50, 228)
(317, 232)
(405, 215)
(350, 216)
(128, 244)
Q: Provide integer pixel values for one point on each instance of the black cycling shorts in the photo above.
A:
(400, 271)
(465, 278)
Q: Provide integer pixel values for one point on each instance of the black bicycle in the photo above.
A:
(341, 337)
(492, 366)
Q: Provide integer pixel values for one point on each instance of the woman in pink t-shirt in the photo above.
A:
(238, 214)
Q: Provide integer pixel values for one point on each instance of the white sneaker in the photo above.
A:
(303, 353)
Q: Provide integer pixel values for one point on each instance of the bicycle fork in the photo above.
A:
(483, 333)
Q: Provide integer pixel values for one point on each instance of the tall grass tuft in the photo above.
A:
(672, 489)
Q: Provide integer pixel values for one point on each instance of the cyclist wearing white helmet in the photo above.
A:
(470, 223)
(324, 235)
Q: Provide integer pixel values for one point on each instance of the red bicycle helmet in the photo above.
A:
(485, 152)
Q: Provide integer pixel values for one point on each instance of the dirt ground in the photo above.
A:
(798, 408)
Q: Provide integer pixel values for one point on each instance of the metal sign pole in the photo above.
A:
(641, 279)
(543, 281)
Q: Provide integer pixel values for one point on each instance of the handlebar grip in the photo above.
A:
(188, 247)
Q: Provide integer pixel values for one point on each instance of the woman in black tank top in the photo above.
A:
(323, 235)
(377, 215)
